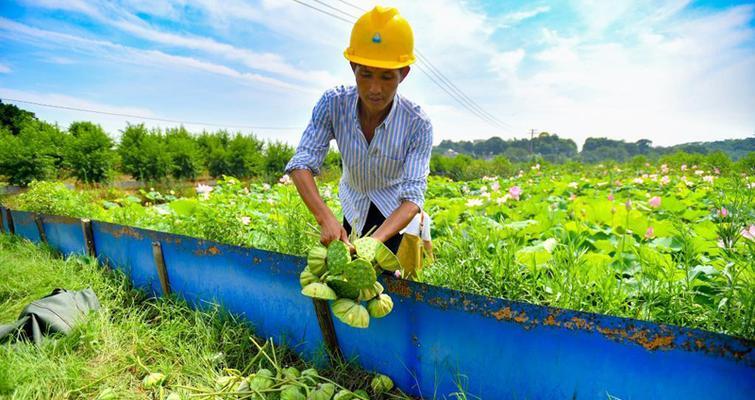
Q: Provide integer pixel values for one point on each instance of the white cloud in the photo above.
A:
(514, 18)
(4, 68)
(125, 54)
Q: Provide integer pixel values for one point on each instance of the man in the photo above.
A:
(384, 139)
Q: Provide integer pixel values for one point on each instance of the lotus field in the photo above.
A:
(669, 244)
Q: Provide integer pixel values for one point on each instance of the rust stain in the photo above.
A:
(399, 286)
(657, 342)
(119, 231)
(256, 260)
(210, 251)
(551, 321)
(521, 318)
(504, 313)
(419, 296)
(582, 323)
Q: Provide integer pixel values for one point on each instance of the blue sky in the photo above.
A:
(672, 72)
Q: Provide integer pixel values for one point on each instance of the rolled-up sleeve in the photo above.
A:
(417, 165)
(315, 140)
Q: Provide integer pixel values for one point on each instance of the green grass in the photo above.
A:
(131, 336)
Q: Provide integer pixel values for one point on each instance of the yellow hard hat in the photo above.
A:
(381, 38)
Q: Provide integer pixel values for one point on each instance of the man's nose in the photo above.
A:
(375, 87)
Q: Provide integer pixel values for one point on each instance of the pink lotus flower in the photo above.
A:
(664, 168)
(708, 179)
(723, 212)
(628, 204)
(716, 171)
(638, 181)
(650, 233)
(515, 192)
(397, 274)
(284, 180)
(495, 186)
(246, 220)
(665, 180)
(684, 167)
(573, 197)
(749, 233)
(610, 196)
(654, 202)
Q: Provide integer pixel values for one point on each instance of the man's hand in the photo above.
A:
(331, 230)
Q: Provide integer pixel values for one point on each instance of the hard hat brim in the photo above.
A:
(378, 63)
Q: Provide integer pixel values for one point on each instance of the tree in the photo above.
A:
(33, 154)
(13, 118)
(244, 156)
(185, 153)
(89, 152)
(277, 156)
(144, 154)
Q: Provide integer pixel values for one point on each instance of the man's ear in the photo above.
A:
(404, 72)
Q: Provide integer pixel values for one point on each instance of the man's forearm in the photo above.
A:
(397, 221)
(305, 184)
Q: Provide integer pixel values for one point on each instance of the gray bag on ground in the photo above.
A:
(59, 311)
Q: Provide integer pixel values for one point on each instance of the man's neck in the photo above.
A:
(373, 119)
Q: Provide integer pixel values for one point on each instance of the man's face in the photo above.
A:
(377, 86)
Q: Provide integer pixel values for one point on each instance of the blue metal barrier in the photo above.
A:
(23, 221)
(129, 250)
(260, 285)
(3, 220)
(64, 234)
(436, 340)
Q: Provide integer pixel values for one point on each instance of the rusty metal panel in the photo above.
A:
(25, 226)
(64, 234)
(261, 286)
(129, 250)
(499, 349)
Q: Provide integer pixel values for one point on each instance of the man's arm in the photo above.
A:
(330, 228)
(412, 197)
(306, 163)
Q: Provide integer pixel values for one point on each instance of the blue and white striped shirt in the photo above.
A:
(393, 167)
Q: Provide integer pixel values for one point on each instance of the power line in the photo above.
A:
(336, 9)
(152, 118)
(352, 5)
(435, 75)
(323, 11)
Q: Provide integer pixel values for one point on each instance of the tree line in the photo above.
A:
(31, 149)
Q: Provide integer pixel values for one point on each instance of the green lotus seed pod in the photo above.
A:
(291, 373)
(306, 277)
(341, 307)
(371, 293)
(342, 287)
(153, 380)
(357, 317)
(360, 273)
(316, 260)
(366, 247)
(292, 392)
(361, 394)
(380, 306)
(319, 290)
(386, 259)
(261, 380)
(338, 257)
(344, 394)
(381, 383)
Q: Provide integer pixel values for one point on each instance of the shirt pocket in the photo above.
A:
(387, 167)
